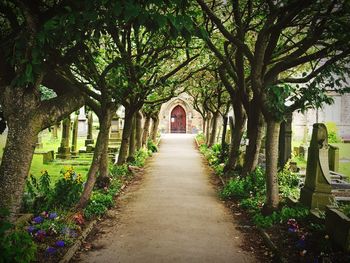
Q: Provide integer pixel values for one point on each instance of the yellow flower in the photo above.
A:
(67, 176)
(79, 178)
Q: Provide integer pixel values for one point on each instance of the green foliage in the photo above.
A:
(282, 216)
(98, 204)
(333, 136)
(244, 187)
(67, 190)
(288, 183)
(15, 245)
(151, 146)
(140, 158)
(119, 171)
(40, 196)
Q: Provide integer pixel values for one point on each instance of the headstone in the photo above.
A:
(317, 190)
(64, 150)
(333, 158)
(90, 140)
(302, 151)
(115, 132)
(39, 142)
(296, 151)
(54, 131)
(285, 141)
(74, 149)
(82, 123)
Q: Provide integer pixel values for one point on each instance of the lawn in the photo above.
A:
(344, 154)
(55, 167)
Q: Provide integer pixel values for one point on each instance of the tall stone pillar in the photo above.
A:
(54, 131)
(64, 150)
(90, 140)
(82, 123)
(285, 141)
(333, 157)
(74, 149)
(39, 142)
(317, 190)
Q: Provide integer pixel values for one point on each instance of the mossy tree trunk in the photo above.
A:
(26, 116)
(237, 129)
(127, 129)
(145, 132)
(132, 141)
(255, 132)
(154, 130)
(138, 132)
(272, 139)
(100, 155)
(213, 129)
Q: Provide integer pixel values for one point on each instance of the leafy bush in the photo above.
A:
(151, 146)
(140, 158)
(68, 189)
(119, 171)
(15, 245)
(40, 196)
(288, 183)
(333, 136)
(246, 186)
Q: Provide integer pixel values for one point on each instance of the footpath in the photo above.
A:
(174, 215)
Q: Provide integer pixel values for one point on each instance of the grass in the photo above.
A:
(54, 168)
(344, 153)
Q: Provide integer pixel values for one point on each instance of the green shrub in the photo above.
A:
(333, 136)
(15, 245)
(151, 146)
(288, 183)
(119, 171)
(104, 199)
(94, 209)
(140, 158)
(244, 187)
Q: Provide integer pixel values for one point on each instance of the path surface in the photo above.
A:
(174, 215)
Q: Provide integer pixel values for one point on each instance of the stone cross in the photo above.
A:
(64, 150)
(74, 149)
(317, 190)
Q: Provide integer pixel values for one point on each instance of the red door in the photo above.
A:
(178, 120)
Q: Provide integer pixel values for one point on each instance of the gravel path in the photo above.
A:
(173, 216)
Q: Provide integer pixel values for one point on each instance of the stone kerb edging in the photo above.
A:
(77, 244)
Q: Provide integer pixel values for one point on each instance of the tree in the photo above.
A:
(30, 36)
(276, 39)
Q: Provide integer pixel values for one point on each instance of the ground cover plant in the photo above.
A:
(297, 236)
(54, 223)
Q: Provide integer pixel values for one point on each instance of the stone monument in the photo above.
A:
(82, 125)
(89, 142)
(64, 150)
(317, 190)
(74, 149)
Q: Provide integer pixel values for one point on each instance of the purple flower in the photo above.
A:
(65, 231)
(291, 230)
(52, 215)
(301, 243)
(59, 243)
(40, 235)
(51, 250)
(31, 229)
(38, 220)
(73, 234)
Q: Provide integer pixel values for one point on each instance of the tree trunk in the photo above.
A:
(138, 128)
(207, 133)
(155, 123)
(123, 151)
(145, 132)
(213, 129)
(237, 129)
(223, 141)
(255, 132)
(101, 148)
(26, 116)
(204, 124)
(132, 141)
(272, 136)
(16, 161)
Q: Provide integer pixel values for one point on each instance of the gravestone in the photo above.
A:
(64, 150)
(89, 142)
(39, 142)
(74, 149)
(285, 141)
(54, 131)
(82, 123)
(115, 132)
(317, 190)
(333, 157)
(302, 151)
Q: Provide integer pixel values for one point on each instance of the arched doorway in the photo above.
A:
(178, 120)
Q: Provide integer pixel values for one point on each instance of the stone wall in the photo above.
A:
(338, 112)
